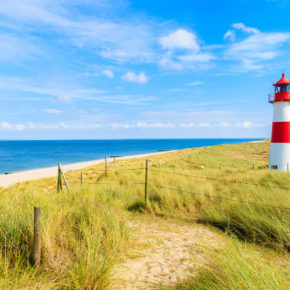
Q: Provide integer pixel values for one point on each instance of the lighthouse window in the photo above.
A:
(283, 89)
(274, 167)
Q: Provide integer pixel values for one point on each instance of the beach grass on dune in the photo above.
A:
(231, 268)
(82, 238)
(85, 233)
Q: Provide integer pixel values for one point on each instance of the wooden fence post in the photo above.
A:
(37, 236)
(64, 179)
(106, 166)
(59, 185)
(146, 180)
(81, 178)
(253, 166)
(59, 176)
(115, 165)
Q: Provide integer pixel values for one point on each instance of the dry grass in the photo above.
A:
(235, 267)
(85, 231)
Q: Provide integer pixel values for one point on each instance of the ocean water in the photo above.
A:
(24, 155)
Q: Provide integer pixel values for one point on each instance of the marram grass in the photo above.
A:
(230, 268)
(82, 239)
(85, 234)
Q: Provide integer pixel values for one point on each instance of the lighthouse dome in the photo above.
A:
(282, 81)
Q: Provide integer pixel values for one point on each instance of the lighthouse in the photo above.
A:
(280, 140)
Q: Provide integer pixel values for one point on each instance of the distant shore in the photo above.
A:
(13, 178)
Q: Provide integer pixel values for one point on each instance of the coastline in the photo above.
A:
(13, 178)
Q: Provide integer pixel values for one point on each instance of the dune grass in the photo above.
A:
(82, 239)
(84, 232)
(231, 268)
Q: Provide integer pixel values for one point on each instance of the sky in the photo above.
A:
(115, 69)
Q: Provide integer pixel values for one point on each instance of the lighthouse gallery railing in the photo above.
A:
(271, 97)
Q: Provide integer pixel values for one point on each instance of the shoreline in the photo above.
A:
(13, 178)
(9, 179)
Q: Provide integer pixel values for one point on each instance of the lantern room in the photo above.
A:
(282, 91)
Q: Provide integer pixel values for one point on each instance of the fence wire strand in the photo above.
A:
(221, 197)
(185, 191)
(222, 180)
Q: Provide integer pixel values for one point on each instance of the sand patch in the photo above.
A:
(165, 253)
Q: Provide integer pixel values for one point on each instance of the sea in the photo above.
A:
(21, 155)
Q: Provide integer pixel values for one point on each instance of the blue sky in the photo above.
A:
(102, 69)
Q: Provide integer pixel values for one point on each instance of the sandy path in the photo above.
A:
(9, 179)
(165, 252)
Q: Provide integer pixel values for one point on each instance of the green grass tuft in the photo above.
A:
(230, 268)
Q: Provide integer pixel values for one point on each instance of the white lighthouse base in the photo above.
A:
(280, 157)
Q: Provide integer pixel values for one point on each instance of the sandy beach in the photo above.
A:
(10, 179)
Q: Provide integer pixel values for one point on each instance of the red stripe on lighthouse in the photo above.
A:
(281, 132)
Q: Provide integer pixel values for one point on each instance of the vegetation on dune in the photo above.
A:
(82, 238)
(232, 269)
(84, 232)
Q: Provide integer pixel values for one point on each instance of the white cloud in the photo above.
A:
(155, 125)
(120, 126)
(108, 73)
(243, 27)
(255, 50)
(118, 40)
(68, 92)
(52, 111)
(260, 46)
(20, 127)
(194, 58)
(140, 78)
(6, 126)
(246, 124)
(179, 39)
(168, 62)
(126, 99)
(230, 34)
(196, 83)
(122, 41)
(39, 126)
(177, 90)
(224, 124)
(141, 125)
(187, 61)
(183, 51)
(249, 124)
(195, 125)
(63, 125)
(61, 91)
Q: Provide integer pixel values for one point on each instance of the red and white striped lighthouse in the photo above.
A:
(280, 141)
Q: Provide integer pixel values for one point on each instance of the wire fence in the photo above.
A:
(222, 180)
(81, 181)
(218, 164)
(221, 197)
